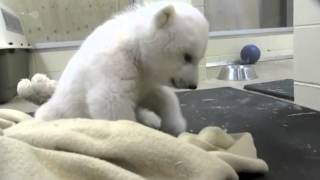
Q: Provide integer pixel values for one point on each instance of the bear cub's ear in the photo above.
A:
(164, 16)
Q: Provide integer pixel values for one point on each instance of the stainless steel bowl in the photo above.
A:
(237, 73)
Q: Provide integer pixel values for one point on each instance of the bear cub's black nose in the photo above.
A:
(192, 86)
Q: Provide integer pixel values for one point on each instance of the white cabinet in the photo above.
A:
(307, 53)
(307, 95)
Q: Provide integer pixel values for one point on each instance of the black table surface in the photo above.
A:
(281, 89)
(287, 136)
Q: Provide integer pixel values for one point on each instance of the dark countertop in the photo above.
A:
(287, 136)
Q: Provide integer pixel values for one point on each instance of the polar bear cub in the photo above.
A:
(124, 69)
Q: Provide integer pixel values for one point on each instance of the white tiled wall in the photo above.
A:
(63, 20)
(307, 52)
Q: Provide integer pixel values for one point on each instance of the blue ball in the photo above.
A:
(250, 54)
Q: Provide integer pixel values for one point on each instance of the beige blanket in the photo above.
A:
(79, 149)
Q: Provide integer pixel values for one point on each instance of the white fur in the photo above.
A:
(124, 64)
(38, 90)
(148, 118)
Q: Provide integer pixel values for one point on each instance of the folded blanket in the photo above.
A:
(77, 149)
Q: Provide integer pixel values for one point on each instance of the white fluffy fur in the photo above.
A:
(121, 69)
(38, 90)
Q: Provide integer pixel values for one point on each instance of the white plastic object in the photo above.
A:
(12, 35)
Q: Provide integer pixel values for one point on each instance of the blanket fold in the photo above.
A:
(121, 150)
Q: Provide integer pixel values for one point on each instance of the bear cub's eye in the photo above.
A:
(187, 58)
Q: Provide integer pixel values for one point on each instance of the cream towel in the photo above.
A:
(77, 149)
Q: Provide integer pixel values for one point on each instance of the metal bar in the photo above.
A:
(58, 45)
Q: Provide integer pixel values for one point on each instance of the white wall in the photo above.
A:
(63, 20)
(307, 52)
(53, 60)
(147, 1)
(232, 14)
(228, 48)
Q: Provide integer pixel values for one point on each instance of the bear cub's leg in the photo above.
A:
(164, 102)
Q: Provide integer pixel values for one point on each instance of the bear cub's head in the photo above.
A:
(174, 44)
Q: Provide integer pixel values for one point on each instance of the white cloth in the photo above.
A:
(77, 149)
